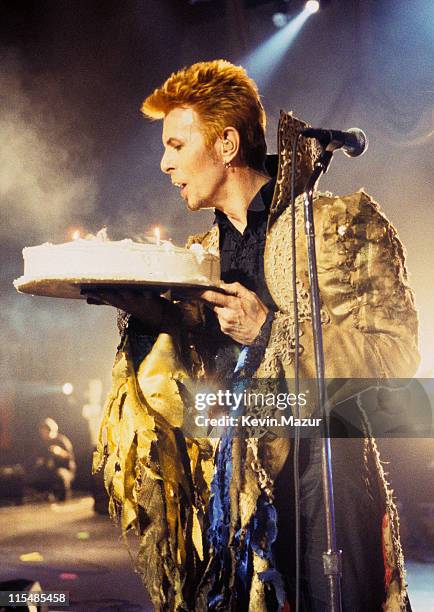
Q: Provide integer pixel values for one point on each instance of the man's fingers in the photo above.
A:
(235, 289)
(128, 294)
(211, 296)
(218, 299)
(105, 298)
(224, 315)
(95, 302)
(95, 298)
(119, 299)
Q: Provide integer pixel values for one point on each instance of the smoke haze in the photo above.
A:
(46, 178)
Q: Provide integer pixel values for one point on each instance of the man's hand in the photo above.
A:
(240, 312)
(146, 306)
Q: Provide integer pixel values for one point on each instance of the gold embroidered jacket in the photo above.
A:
(158, 480)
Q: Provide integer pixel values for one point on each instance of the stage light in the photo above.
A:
(312, 6)
(280, 19)
(67, 389)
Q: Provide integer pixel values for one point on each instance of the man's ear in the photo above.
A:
(230, 144)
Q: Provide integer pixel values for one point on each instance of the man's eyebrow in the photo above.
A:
(170, 141)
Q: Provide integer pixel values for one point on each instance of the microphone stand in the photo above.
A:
(332, 562)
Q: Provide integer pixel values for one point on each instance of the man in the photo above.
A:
(54, 464)
(234, 549)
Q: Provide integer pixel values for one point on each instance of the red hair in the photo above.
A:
(223, 95)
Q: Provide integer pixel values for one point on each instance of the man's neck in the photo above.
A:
(241, 187)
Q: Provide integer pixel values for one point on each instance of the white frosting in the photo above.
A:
(120, 260)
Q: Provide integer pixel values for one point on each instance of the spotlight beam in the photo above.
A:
(263, 61)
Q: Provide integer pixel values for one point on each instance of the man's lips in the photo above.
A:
(182, 187)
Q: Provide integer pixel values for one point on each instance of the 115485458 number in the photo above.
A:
(24, 598)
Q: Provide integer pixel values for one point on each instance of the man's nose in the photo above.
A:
(166, 163)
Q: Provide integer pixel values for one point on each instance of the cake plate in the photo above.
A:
(73, 288)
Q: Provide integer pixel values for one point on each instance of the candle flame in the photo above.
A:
(157, 234)
(76, 234)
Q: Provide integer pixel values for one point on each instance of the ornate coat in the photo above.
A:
(159, 480)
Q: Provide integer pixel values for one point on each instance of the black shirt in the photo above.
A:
(242, 261)
(242, 255)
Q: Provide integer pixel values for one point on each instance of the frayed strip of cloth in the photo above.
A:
(232, 566)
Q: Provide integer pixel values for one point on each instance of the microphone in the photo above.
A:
(354, 142)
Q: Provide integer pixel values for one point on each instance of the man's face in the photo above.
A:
(194, 167)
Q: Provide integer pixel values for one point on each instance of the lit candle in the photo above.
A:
(157, 236)
(76, 234)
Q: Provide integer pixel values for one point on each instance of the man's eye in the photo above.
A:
(177, 147)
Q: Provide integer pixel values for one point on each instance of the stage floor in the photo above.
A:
(82, 552)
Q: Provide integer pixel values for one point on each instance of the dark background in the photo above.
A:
(76, 153)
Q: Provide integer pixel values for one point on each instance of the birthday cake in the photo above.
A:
(62, 270)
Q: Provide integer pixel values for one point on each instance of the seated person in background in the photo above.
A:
(54, 465)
